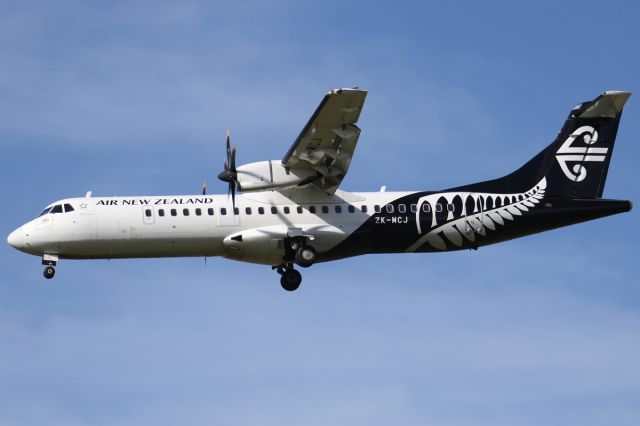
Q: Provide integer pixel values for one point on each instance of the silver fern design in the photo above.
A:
(487, 213)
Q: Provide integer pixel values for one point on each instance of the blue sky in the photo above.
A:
(134, 98)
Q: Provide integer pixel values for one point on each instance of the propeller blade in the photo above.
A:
(230, 174)
(233, 160)
(232, 186)
(228, 147)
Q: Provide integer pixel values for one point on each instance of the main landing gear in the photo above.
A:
(305, 256)
(297, 251)
(290, 278)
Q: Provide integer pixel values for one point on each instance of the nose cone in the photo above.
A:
(16, 239)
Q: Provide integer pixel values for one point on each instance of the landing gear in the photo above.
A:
(49, 272)
(305, 256)
(299, 252)
(49, 261)
(290, 279)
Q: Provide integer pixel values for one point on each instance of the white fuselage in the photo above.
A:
(196, 225)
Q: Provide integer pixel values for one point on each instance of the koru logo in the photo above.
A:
(578, 154)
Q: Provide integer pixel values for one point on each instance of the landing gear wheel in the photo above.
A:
(49, 272)
(291, 280)
(305, 256)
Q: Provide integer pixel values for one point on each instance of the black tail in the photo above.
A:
(576, 163)
(578, 160)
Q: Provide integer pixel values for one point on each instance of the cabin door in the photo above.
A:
(148, 215)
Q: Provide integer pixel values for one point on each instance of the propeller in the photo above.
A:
(230, 174)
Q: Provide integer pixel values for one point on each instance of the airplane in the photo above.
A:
(291, 212)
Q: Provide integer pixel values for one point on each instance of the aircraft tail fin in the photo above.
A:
(580, 156)
(576, 163)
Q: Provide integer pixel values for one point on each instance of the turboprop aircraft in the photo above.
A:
(292, 212)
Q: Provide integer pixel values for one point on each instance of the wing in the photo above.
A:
(327, 142)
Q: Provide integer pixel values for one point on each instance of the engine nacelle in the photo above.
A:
(268, 175)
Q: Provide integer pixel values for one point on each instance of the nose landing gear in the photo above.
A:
(49, 261)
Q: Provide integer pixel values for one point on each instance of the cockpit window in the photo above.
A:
(57, 208)
(68, 208)
(45, 211)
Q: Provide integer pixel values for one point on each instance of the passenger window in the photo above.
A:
(363, 208)
(312, 209)
(427, 208)
(68, 208)
(413, 208)
(174, 212)
(325, 209)
(185, 212)
(210, 211)
(402, 208)
(389, 208)
(338, 209)
(299, 209)
(247, 210)
(223, 211)
(260, 210)
(57, 209)
(351, 208)
(161, 212)
(376, 208)
(198, 212)
(286, 210)
(236, 210)
(274, 210)
(450, 207)
(147, 212)
(439, 208)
